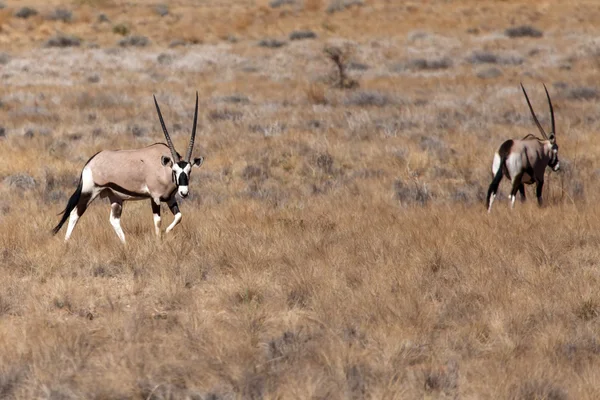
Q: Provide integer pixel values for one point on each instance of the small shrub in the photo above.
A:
(533, 390)
(368, 99)
(177, 43)
(2, 5)
(4, 58)
(164, 59)
(489, 73)
(340, 56)
(588, 310)
(411, 194)
(341, 5)
(61, 14)
(62, 40)
(583, 93)
(104, 18)
(271, 43)
(523, 31)
(20, 181)
(301, 35)
(134, 41)
(279, 3)
(356, 66)
(483, 57)
(429, 64)
(162, 9)
(121, 29)
(225, 115)
(26, 12)
(253, 172)
(234, 99)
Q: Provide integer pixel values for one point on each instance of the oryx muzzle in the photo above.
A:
(524, 161)
(156, 172)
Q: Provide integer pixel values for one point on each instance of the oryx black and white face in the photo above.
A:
(181, 174)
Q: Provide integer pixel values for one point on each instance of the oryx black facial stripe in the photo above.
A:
(183, 179)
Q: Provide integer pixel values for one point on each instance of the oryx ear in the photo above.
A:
(198, 161)
(165, 160)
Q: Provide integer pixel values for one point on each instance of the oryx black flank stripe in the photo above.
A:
(117, 188)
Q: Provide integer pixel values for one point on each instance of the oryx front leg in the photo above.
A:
(116, 208)
(538, 192)
(156, 215)
(175, 210)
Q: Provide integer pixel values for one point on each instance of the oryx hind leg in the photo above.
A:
(156, 215)
(516, 186)
(522, 191)
(87, 194)
(116, 209)
(175, 210)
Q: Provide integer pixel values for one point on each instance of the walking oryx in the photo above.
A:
(524, 161)
(156, 172)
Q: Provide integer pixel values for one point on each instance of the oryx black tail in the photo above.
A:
(71, 204)
(495, 183)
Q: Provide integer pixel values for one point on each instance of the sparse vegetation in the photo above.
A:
(340, 57)
(61, 14)
(121, 29)
(134, 41)
(523, 31)
(340, 5)
(271, 43)
(62, 40)
(334, 244)
(301, 35)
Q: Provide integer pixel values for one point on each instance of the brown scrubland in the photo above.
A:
(335, 244)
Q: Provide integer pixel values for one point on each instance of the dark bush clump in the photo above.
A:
(340, 5)
(523, 31)
(489, 73)
(121, 29)
(61, 40)
(430, 64)
(26, 12)
(279, 3)
(367, 99)
(225, 115)
(411, 194)
(271, 43)
(61, 14)
(300, 35)
(134, 41)
(583, 93)
(162, 10)
(4, 58)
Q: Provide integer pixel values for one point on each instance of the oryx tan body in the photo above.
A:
(156, 172)
(524, 161)
(133, 174)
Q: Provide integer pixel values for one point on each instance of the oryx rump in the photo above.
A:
(524, 161)
(156, 172)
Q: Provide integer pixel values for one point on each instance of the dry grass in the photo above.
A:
(335, 244)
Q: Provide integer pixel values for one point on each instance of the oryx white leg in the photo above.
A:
(175, 210)
(512, 199)
(156, 214)
(82, 204)
(492, 197)
(116, 208)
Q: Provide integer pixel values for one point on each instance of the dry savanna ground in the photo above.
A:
(335, 244)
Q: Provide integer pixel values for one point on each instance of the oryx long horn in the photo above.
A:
(188, 155)
(551, 110)
(164, 128)
(533, 114)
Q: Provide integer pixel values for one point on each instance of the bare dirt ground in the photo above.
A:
(335, 244)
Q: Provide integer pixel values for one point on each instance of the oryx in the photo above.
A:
(156, 172)
(524, 161)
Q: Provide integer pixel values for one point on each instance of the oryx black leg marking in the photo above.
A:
(84, 200)
(522, 191)
(515, 188)
(538, 192)
(175, 210)
(116, 209)
(156, 214)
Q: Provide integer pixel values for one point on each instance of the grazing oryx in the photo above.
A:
(156, 172)
(524, 161)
